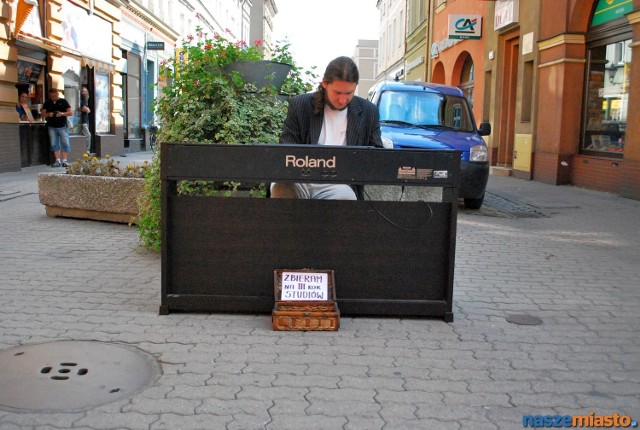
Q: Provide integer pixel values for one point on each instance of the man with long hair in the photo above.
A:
(332, 115)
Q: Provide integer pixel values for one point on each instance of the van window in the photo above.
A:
(425, 109)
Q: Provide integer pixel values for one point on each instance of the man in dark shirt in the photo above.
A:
(55, 111)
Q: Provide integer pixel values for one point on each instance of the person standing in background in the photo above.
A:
(84, 116)
(55, 111)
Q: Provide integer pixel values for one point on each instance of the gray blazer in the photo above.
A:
(302, 126)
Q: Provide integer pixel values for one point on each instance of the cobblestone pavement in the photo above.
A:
(565, 255)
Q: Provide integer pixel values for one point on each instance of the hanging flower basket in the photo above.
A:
(260, 73)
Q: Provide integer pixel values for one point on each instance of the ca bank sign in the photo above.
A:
(465, 26)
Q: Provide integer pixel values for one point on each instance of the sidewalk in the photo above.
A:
(565, 255)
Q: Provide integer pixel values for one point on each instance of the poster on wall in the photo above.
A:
(28, 72)
(31, 24)
(88, 34)
(102, 104)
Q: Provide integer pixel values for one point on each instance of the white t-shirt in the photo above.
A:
(334, 132)
(334, 127)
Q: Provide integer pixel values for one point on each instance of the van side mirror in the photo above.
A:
(485, 129)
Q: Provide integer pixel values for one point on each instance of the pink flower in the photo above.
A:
(226, 30)
(257, 42)
(200, 34)
(198, 15)
(216, 36)
(190, 38)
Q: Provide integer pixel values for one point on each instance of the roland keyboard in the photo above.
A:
(312, 163)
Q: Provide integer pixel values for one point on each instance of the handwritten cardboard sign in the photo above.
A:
(305, 286)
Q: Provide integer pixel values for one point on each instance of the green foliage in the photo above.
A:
(201, 103)
(96, 166)
(149, 208)
(299, 80)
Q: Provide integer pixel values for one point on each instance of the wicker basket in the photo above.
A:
(305, 315)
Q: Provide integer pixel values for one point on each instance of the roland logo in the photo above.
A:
(293, 161)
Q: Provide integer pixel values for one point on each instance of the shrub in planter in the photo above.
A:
(202, 102)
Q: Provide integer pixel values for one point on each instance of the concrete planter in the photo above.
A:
(99, 198)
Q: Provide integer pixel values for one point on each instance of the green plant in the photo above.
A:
(95, 166)
(299, 80)
(149, 208)
(202, 103)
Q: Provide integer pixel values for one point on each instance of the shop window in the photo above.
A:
(133, 97)
(72, 84)
(467, 80)
(606, 99)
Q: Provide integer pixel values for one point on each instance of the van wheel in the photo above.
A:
(473, 203)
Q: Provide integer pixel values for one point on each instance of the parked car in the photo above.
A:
(432, 116)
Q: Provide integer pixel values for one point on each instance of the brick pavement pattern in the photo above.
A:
(566, 255)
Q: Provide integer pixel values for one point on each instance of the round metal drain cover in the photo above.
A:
(71, 375)
(523, 319)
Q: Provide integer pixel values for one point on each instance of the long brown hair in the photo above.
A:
(339, 69)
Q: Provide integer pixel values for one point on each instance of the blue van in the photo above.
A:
(432, 116)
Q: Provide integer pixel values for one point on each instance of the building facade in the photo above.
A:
(457, 44)
(365, 56)
(560, 87)
(114, 48)
(391, 48)
(261, 28)
(416, 59)
(63, 45)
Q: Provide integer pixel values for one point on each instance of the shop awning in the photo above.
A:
(39, 42)
(99, 66)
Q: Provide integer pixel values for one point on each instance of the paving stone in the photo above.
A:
(235, 407)
(344, 408)
(271, 393)
(307, 381)
(316, 422)
(575, 268)
(373, 382)
(108, 420)
(173, 421)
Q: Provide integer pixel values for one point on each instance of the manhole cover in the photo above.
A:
(524, 319)
(71, 375)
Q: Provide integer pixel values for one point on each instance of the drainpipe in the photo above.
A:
(427, 72)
